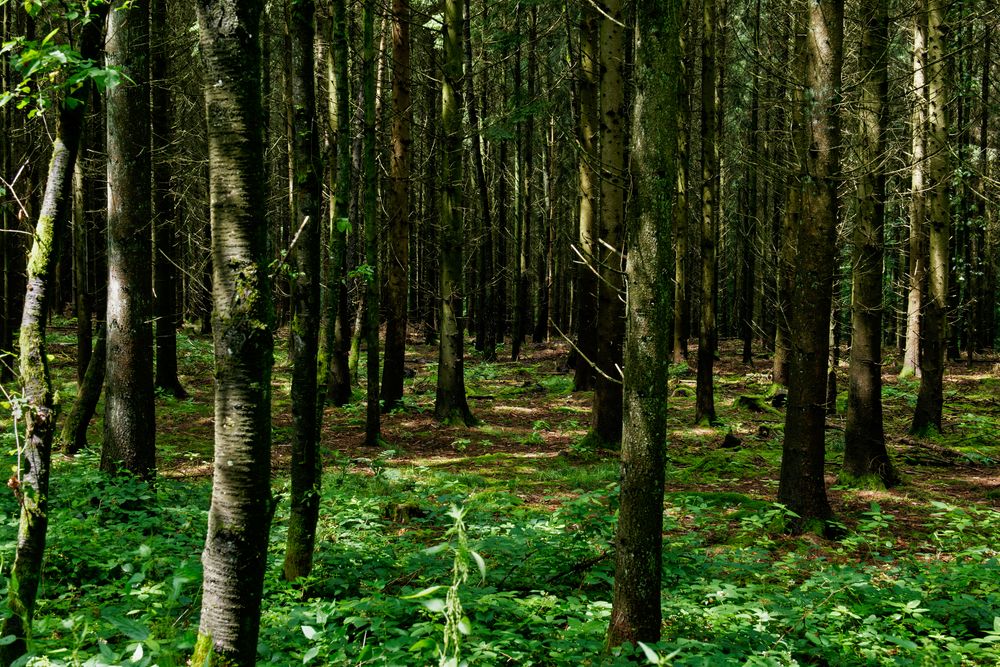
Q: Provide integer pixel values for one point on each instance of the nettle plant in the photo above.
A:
(50, 70)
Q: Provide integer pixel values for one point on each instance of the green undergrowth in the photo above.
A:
(122, 577)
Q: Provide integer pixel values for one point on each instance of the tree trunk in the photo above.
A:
(704, 391)
(84, 319)
(339, 378)
(606, 424)
(303, 346)
(681, 326)
(588, 231)
(399, 211)
(636, 612)
(239, 519)
(802, 487)
(373, 283)
(168, 317)
(522, 307)
(918, 240)
(129, 422)
(73, 437)
(451, 404)
(933, 321)
(31, 483)
(865, 454)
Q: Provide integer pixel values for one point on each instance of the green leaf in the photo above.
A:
(435, 605)
(423, 593)
(126, 626)
(7, 639)
(309, 631)
(650, 654)
(480, 563)
(310, 654)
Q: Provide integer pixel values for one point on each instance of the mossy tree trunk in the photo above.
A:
(239, 518)
(451, 403)
(606, 423)
(399, 209)
(303, 344)
(933, 321)
(73, 437)
(865, 454)
(129, 422)
(31, 486)
(636, 612)
(802, 487)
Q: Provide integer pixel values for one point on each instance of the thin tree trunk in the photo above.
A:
(31, 485)
(865, 454)
(129, 422)
(933, 321)
(606, 423)
(588, 231)
(73, 437)
(704, 390)
(239, 519)
(339, 379)
(167, 315)
(84, 319)
(399, 212)
(918, 241)
(370, 185)
(303, 347)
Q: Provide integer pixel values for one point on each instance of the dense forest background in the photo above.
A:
(516, 332)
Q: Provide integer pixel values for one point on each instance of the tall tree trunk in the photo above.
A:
(588, 230)
(865, 454)
(705, 393)
(790, 220)
(918, 237)
(451, 403)
(31, 483)
(749, 215)
(681, 326)
(81, 293)
(802, 487)
(606, 422)
(164, 209)
(933, 321)
(399, 212)
(370, 194)
(239, 519)
(339, 379)
(129, 423)
(636, 611)
(303, 346)
(522, 307)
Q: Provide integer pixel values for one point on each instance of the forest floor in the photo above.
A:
(915, 579)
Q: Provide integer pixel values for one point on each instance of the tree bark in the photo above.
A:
(588, 231)
(399, 209)
(636, 610)
(239, 518)
(129, 412)
(303, 346)
(704, 390)
(451, 404)
(933, 321)
(606, 422)
(802, 487)
(73, 437)
(865, 454)
(167, 315)
(373, 414)
(918, 238)
(31, 483)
